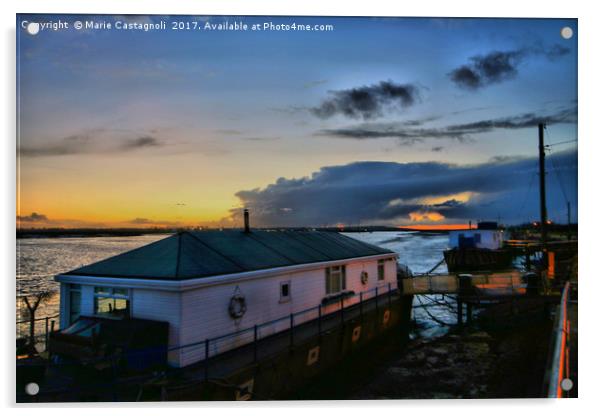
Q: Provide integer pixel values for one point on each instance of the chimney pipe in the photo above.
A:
(247, 227)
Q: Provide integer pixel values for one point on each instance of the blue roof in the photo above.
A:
(193, 254)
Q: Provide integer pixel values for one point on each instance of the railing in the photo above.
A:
(344, 307)
(43, 333)
(560, 360)
(205, 349)
(450, 283)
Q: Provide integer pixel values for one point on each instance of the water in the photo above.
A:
(420, 251)
(40, 259)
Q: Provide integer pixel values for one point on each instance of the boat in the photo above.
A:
(479, 249)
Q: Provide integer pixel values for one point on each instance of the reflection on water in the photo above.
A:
(40, 259)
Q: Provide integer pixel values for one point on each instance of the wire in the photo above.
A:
(557, 171)
(565, 142)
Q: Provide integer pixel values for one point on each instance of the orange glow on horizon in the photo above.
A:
(437, 227)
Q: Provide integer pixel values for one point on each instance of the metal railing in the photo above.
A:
(345, 305)
(560, 360)
(340, 305)
(41, 334)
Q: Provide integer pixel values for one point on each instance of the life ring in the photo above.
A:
(364, 277)
(237, 307)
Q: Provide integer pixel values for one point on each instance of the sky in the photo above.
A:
(388, 121)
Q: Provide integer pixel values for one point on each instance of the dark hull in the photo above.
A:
(468, 260)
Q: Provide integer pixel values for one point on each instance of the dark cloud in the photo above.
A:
(141, 142)
(33, 217)
(461, 132)
(91, 143)
(261, 139)
(437, 149)
(387, 192)
(499, 66)
(149, 222)
(367, 102)
(69, 145)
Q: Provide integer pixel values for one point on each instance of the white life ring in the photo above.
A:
(237, 307)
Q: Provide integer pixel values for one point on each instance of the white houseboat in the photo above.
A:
(477, 249)
(207, 284)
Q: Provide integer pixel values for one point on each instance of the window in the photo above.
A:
(111, 302)
(335, 279)
(75, 302)
(381, 270)
(285, 291)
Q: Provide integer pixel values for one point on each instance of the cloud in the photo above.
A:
(33, 217)
(437, 149)
(141, 142)
(498, 66)
(388, 193)
(461, 132)
(92, 142)
(367, 102)
(150, 222)
(69, 145)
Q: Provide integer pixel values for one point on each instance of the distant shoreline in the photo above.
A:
(136, 232)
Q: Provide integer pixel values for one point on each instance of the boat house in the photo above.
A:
(487, 236)
(207, 284)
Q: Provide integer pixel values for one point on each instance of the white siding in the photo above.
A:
(159, 306)
(201, 313)
(205, 310)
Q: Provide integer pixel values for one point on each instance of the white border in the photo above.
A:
(589, 205)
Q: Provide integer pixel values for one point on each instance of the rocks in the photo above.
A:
(455, 366)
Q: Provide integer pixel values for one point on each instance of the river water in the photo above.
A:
(40, 259)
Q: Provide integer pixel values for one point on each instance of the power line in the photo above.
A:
(565, 142)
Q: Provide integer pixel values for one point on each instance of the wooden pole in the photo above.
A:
(542, 186)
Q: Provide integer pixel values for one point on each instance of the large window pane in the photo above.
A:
(75, 305)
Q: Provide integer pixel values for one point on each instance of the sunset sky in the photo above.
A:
(380, 121)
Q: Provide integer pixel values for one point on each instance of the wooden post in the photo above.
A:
(460, 312)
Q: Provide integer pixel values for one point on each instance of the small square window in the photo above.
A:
(285, 291)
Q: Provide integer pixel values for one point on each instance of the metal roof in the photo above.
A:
(193, 254)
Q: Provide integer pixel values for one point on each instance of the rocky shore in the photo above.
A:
(466, 364)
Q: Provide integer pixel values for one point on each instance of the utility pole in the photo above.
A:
(542, 186)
